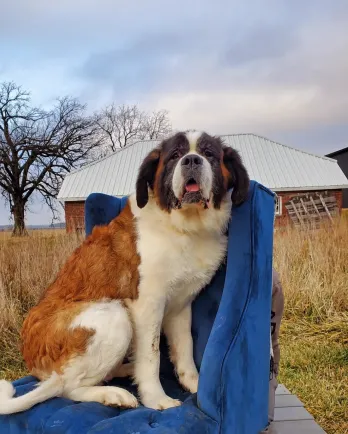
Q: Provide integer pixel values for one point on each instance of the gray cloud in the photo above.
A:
(261, 64)
(262, 43)
(136, 66)
(257, 65)
(324, 138)
(277, 68)
(280, 48)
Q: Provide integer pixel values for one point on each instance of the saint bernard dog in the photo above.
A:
(134, 278)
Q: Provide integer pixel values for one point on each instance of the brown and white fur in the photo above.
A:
(133, 278)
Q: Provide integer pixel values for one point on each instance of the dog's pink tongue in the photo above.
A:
(192, 187)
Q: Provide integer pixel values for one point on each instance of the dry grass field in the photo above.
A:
(314, 337)
(313, 267)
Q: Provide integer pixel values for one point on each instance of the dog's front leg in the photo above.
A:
(147, 315)
(177, 328)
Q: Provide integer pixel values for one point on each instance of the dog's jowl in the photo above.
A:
(134, 278)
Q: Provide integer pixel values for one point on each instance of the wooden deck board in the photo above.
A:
(291, 413)
(296, 427)
(290, 416)
(287, 401)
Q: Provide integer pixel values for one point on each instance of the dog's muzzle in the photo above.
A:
(191, 171)
(192, 180)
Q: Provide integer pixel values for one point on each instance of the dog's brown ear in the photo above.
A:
(239, 179)
(146, 177)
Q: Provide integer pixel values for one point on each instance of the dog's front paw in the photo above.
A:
(161, 403)
(189, 380)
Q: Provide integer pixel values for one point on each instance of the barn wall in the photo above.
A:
(75, 211)
(288, 195)
(75, 216)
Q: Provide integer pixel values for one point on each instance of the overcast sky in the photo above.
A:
(278, 68)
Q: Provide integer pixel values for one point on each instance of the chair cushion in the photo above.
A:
(63, 416)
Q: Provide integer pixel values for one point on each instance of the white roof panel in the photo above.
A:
(276, 166)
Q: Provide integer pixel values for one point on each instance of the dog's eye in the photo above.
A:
(208, 153)
(175, 156)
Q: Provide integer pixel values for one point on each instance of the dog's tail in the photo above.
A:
(47, 389)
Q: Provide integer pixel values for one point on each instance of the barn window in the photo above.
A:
(278, 205)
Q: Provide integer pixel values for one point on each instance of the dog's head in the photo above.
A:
(192, 169)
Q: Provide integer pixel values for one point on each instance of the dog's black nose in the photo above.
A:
(192, 160)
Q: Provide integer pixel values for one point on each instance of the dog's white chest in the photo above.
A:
(195, 266)
(181, 263)
(176, 263)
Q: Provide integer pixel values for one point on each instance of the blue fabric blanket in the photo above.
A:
(231, 332)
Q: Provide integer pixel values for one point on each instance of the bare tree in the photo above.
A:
(156, 125)
(121, 125)
(38, 147)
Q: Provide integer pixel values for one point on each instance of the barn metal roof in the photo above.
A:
(278, 167)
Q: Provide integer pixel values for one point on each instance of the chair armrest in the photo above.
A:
(234, 375)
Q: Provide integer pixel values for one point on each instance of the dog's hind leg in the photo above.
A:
(83, 353)
(107, 348)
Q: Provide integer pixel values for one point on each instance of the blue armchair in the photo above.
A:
(231, 333)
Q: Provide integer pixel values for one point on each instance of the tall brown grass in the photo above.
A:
(27, 266)
(313, 267)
